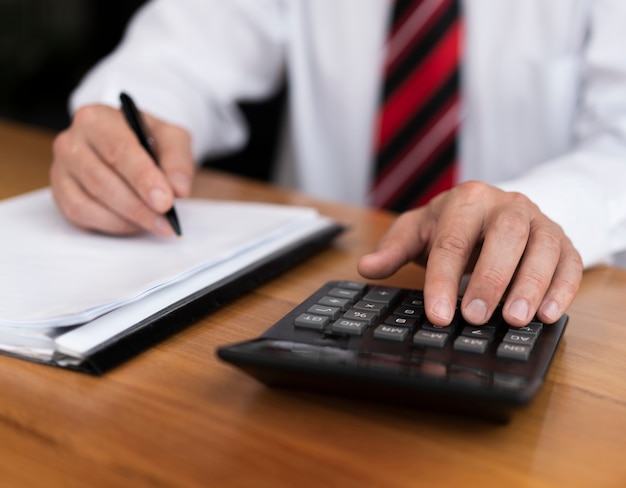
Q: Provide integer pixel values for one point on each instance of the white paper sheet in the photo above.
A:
(54, 274)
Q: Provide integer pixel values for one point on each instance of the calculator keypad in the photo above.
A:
(397, 315)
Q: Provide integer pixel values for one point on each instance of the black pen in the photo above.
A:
(137, 124)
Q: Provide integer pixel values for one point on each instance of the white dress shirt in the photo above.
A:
(544, 93)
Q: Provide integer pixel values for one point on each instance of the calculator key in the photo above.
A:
(370, 306)
(430, 338)
(342, 303)
(481, 332)
(390, 332)
(514, 337)
(351, 295)
(352, 285)
(361, 315)
(400, 321)
(317, 309)
(414, 302)
(384, 294)
(533, 328)
(518, 352)
(408, 311)
(470, 344)
(439, 328)
(415, 299)
(311, 321)
(347, 326)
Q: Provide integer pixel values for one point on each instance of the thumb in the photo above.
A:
(401, 244)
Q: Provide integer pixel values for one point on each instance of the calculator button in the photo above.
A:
(414, 302)
(408, 311)
(533, 328)
(439, 328)
(481, 332)
(351, 295)
(347, 326)
(342, 303)
(414, 299)
(317, 309)
(514, 337)
(430, 338)
(352, 285)
(518, 352)
(361, 315)
(370, 306)
(400, 321)
(471, 344)
(390, 332)
(311, 321)
(384, 294)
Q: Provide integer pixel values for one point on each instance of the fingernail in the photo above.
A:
(519, 310)
(551, 310)
(159, 200)
(476, 311)
(181, 183)
(442, 310)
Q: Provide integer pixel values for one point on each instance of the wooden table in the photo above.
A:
(176, 416)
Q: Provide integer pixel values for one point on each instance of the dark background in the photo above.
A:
(46, 46)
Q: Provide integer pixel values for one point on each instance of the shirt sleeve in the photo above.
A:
(585, 189)
(190, 61)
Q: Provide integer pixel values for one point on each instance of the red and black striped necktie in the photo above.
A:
(416, 143)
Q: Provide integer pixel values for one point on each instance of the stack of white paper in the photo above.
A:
(54, 275)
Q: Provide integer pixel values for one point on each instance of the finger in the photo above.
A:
(119, 148)
(457, 235)
(404, 242)
(534, 275)
(82, 210)
(506, 235)
(173, 148)
(111, 199)
(564, 286)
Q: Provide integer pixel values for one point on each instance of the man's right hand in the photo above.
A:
(103, 180)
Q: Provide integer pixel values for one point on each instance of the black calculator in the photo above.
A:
(375, 342)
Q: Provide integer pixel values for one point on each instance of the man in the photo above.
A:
(544, 92)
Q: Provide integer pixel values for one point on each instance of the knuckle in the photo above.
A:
(513, 223)
(493, 277)
(535, 279)
(577, 263)
(550, 240)
(453, 245)
(569, 287)
(96, 186)
(472, 191)
(87, 115)
(113, 152)
(520, 199)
